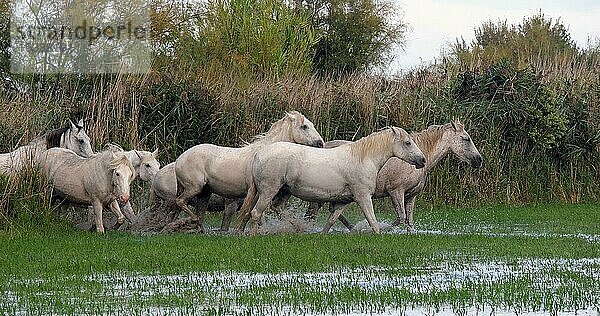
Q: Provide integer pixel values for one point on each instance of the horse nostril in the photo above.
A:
(124, 198)
(477, 162)
(320, 144)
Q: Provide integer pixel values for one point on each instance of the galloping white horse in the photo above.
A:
(146, 167)
(339, 175)
(205, 169)
(99, 181)
(403, 182)
(144, 162)
(164, 187)
(72, 137)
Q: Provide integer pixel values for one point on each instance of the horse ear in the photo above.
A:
(155, 152)
(292, 117)
(80, 123)
(72, 126)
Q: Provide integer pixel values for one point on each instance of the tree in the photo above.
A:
(251, 38)
(354, 34)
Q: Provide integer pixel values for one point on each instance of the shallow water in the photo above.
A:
(294, 223)
(209, 288)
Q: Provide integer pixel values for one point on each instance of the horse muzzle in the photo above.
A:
(420, 163)
(318, 144)
(123, 199)
(476, 161)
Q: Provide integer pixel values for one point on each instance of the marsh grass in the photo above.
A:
(25, 204)
(71, 273)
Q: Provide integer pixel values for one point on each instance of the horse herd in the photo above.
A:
(290, 159)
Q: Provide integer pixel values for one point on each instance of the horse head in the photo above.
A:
(303, 131)
(461, 144)
(405, 148)
(77, 140)
(122, 175)
(148, 165)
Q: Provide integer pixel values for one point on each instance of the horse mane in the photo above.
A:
(106, 156)
(375, 142)
(53, 137)
(428, 138)
(277, 128)
(113, 147)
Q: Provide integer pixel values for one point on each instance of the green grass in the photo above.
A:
(515, 258)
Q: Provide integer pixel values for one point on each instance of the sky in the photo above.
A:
(435, 23)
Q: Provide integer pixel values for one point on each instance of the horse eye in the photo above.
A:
(117, 174)
(408, 143)
(147, 165)
(80, 140)
(304, 126)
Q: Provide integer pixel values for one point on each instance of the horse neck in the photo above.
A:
(63, 138)
(100, 163)
(370, 149)
(279, 132)
(430, 143)
(133, 158)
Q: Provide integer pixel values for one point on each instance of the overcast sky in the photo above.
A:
(435, 23)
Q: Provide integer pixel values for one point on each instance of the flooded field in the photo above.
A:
(474, 269)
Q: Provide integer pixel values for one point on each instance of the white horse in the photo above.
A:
(100, 181)
(164, 187)
(205, 169)
(339, 175)
(403, 182)
(144, 162)
(72, 137)
(146, 167)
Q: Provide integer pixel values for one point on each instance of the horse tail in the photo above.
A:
(153, 197)
(247, 206)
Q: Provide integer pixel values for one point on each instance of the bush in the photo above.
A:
(25, 203)
(248, 38)
(516, 102)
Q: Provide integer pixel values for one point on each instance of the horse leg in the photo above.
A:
(344, 220)
(129, 213)
(116, 209)
(313, 210)
(398, 200)
(264, 199)
(410, 206)
(201, 206)
(367, 207)
(185, 196)
(98, 212)
(336, 210)
(231, 206)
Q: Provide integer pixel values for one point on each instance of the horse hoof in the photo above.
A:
(397, 223)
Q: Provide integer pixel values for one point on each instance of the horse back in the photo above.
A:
(80, 180)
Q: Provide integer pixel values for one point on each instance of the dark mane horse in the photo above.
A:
(72, 137)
